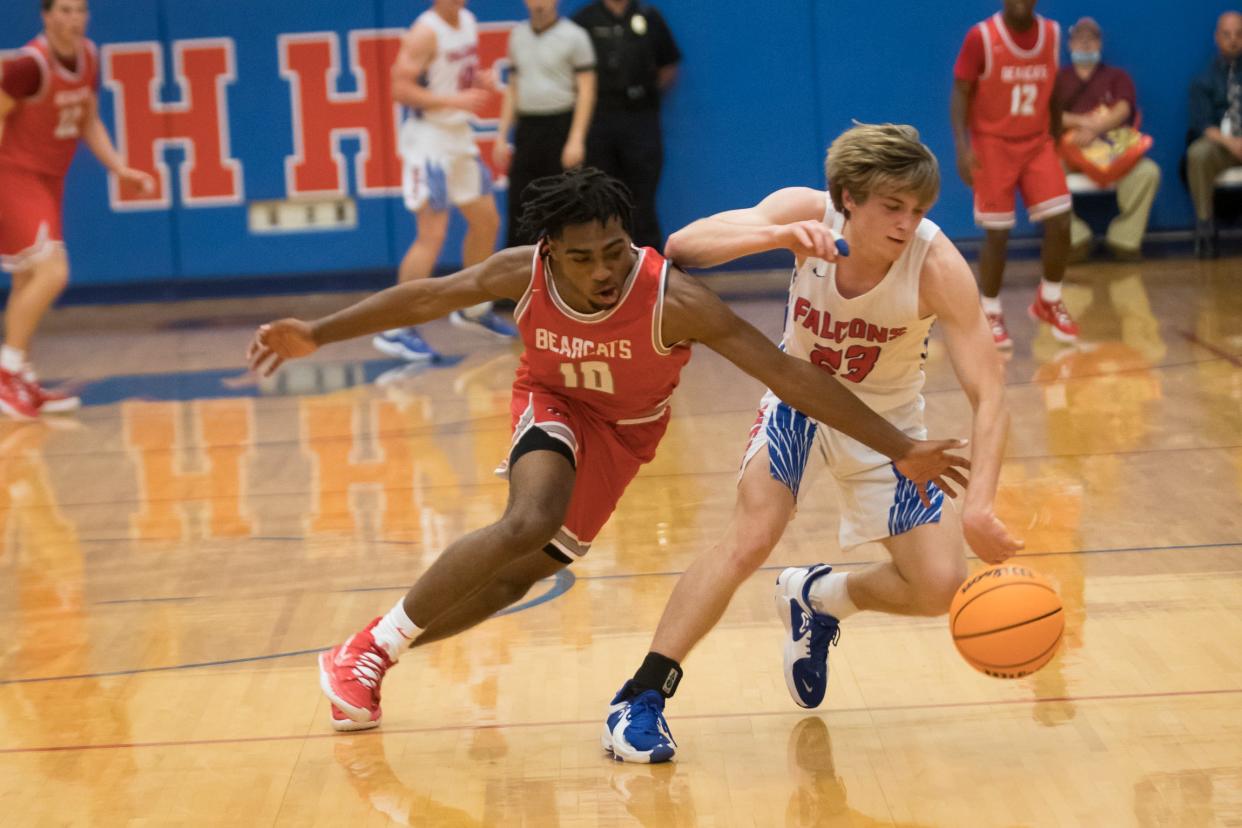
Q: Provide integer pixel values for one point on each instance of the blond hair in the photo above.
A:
(890, 159)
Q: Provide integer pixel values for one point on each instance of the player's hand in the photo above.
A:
(486, 79)
(967, 163)
(987, 536)
(930, 461)
(473, 100)
(502, 154)
(278, 341)
(136, 180)
(572, 155)
(812, 239)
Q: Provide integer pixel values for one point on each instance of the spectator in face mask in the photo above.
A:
(1096, 98)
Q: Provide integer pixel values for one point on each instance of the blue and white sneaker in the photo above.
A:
(405, 343)
(635, 730)
(488, 323)
(809, 633)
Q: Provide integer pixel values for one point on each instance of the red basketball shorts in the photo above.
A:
(607, 454)
(1029, 165)
(30, 224)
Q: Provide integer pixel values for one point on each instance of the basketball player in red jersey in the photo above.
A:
(607, 329)
(1003, 122)
(47, 102)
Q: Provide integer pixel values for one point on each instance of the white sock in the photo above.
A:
(11, 359)
(475, 311)
(1049, 291)
(831, 596)
(395, 631)
(991, 304)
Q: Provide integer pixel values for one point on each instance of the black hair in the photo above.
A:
(577, 196)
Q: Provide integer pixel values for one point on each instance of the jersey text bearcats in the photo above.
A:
(613, 362)
(41, 133)
(1015, 90)
(876, 341)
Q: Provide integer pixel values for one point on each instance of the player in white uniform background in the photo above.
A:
(436, 79)
(864, 317)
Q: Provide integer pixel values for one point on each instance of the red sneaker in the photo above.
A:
(1000, 335)
(1064, 328)
(350, 675)
(16, 397)
(54, 402)
(345, 724)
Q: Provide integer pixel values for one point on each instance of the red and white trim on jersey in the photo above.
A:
(519, 310)
(657, 318)
(45, 72)
(43, 247)
(1052, 207)
(598, 316)
(1025, 54)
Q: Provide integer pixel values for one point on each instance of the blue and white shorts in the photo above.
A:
(877, 501)
(441, 167)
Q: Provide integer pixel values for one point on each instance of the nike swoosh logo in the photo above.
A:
(807, 688)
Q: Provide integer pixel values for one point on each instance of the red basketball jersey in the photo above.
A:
(1013, 94)
(613, 361)
(41, 133)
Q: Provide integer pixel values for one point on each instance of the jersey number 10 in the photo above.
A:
(593, 376)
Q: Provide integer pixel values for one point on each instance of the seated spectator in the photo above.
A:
(1215, 128)
(1096, 98)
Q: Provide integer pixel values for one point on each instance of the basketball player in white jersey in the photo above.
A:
(436, 78)
(864, 317)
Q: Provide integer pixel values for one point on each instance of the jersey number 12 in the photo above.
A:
(1022, 100)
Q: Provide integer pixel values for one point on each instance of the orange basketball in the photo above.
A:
(1006, 621)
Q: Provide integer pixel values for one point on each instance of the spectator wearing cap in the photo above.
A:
(1096, 98)
(1215, 127)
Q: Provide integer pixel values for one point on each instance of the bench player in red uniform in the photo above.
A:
(47, 102)
(1003, 122)
(607, 328)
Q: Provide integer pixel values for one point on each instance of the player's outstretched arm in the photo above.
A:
(948, 290)
(788, 219)
(692, 312)
(503, 275)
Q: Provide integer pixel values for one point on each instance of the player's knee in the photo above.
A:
(935, 589)
(509, 591)
(53, 272)
(748, 552)
(527, 529)
(485, 220)
(1058, 223)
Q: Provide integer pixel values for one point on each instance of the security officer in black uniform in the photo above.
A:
(636, 59)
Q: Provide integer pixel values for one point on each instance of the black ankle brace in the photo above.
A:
(658, 673)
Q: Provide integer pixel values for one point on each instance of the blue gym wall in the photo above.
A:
(763, 88)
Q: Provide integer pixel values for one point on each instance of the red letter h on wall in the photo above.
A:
(311, 63)
(199, 123)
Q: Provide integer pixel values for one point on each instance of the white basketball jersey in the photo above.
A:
(874, 343)
(454, 66)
